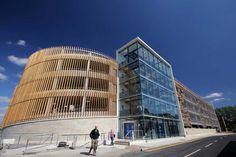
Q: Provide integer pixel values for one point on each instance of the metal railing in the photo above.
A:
(40, 141)
(33, 143)
(76, 50)
(21, 139)
(80, 140)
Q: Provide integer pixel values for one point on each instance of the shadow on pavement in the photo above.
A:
(84, 153)
(229, 150)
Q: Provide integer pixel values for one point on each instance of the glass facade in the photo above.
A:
(147, 95)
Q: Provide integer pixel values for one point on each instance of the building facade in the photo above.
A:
(68, 90)
(196, 112)
(64, 90)
(147, 97)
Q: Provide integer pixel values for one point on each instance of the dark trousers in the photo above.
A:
(112, 141)
(94, 146)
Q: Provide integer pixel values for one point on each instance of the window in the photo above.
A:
(142, 69)
(155, 62)
(145, 55)
(143, 85)
(163, 108)
(140, 52)
(122, 56)
(133, 47)
(151, 58)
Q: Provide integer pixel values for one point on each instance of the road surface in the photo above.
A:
(215, 146)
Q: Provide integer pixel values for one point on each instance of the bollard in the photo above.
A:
(51, 139)
(18, 141)
(27, 143)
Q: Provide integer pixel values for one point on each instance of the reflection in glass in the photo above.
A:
(147, 95)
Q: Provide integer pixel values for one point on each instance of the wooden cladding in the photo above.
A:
(195, 111)
(66, 104)
(100, 67)
(50, 65)
(74, 64)
(64, 82)
(70, 82)
(96, 104)
(98, 84)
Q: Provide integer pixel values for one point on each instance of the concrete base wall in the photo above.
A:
(61, 126)
(198, 131)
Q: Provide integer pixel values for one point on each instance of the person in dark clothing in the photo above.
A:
(94, 135)
(112, 136)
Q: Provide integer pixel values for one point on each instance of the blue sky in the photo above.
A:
(197, 37)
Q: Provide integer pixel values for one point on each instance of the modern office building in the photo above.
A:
(196, 112)
(68, 90)
(148, 104)
(64, 90)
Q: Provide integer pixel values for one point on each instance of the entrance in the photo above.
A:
(128, 128)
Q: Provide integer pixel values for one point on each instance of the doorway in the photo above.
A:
(128, 128)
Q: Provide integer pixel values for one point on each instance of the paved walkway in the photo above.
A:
(103, 150)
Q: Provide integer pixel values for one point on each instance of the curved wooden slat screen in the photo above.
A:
(64, 82)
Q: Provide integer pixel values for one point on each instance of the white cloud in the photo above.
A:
(213, 95)
(2, 68)
(217, 99)
(3, 77)
(21, 43)
(17, 60)
(9, 43)
(2, 113)
(4, 99)
(3, 110)
(19, 75)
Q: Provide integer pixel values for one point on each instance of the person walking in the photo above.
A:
(94, 135)
(112, 136)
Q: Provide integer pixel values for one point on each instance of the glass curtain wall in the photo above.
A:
(147, 96)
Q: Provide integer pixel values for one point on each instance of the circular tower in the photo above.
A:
(64, 90)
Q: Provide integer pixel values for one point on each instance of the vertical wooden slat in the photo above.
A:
(37, 93)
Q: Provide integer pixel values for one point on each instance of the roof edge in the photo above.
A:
(138, 39)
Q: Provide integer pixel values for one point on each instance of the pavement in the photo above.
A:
(200, 145)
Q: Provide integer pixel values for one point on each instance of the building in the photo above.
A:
(147, 96)
(196, 112)
(64, 90)
(68, 90)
